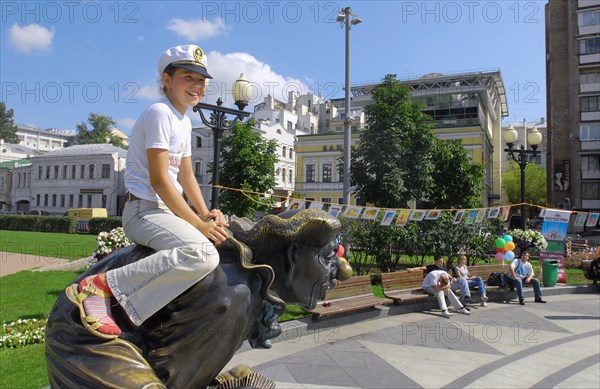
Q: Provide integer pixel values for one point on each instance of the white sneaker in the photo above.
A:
(484, 298)
(464, 311)
(446, 314)
(483, 303)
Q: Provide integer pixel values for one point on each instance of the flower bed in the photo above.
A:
(22, 332)
(528, 239)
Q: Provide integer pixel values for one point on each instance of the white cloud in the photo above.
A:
(149, 92)
(30, 38)
(126, 122)
(226, 68)
(197, 29)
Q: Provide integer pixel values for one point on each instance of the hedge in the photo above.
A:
(99, 224)
(62, 224)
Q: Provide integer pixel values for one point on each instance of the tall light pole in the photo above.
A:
(522, 157)
(218, 123)
(348, 19)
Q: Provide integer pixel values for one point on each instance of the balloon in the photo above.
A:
(340, 251)
(509, 246)
(499, 257)
(509, 255)
(342, 259)
(507, 238)
(500, 250)
(500, 243)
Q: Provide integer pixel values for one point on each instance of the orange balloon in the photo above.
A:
(510, 246)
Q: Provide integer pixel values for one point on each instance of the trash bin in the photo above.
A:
(550, 272)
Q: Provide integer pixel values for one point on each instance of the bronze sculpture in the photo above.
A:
(282, 259)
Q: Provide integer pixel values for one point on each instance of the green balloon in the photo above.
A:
(500, 243)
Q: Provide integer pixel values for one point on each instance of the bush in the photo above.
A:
(62, 224)
(99, 224)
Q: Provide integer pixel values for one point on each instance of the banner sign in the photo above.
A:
(554, 230)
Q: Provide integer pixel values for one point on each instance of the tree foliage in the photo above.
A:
(100, 131)
(535, 184)
(8, 130)
(458, 182)
(248, 163)
(392, 163)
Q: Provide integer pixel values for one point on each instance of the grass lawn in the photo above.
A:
(48, 244)
(25, 367)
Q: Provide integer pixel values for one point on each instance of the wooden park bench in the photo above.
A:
(403, 286)
(353, 294)
(484, 272)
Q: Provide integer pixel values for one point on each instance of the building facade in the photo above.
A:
(573, 103)
(81, 176)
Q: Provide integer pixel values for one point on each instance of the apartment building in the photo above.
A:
(573, 103)
(80, 176)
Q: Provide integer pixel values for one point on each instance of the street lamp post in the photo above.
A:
(522, 157)
(218, 123)
(345, 18)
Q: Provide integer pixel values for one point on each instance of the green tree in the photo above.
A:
(100, 131)
(392, 163)
(458, 182)
(535, 184)
(8, 130)
(248, 163)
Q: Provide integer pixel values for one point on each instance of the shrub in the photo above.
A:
(99, 224)
(62, 224)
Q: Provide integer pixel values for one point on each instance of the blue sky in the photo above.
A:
(61, 60)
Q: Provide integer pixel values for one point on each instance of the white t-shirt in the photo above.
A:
(432, 278)
(160, 126)
(522, 269)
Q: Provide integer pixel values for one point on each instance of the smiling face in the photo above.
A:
(184, 88)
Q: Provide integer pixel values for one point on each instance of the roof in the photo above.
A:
(90, 149)
(20, 149)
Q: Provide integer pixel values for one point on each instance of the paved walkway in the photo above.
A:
(13, 262)
(502, 346)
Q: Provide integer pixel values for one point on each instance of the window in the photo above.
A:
(55, 171)
(589, 104)
(198, 169)
(103, 201)
(291, 175)
(62, 200)
(54, 200)
(310, 172)
(327, 172)
(105, 170)
(340, 200)
(590, 162)
(291, 153)
(589, 131)
(198, 142)
(283, 151)
(73, 171)
(38, 200)
(89, 201)
(65, 171)
(589, 46)
(591, 18)
(71, 201)
(46, 200)
(308, 200)
(47, 172)
(18, 180)
(283, 175)
(80, 201)
(91, 171)
(39, 172)
(589, 78)
(82, 171)
(289, 125)
(1, 182)
(326, 200)
(590, 190)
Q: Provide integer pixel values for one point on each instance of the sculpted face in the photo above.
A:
(311, 272)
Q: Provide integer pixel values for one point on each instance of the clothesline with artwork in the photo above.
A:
(400, 216)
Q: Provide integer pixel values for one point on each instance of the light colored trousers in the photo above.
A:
(441, 300)
(183, 257)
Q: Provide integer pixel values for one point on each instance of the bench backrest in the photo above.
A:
(354, 286)
(402, 280)
(484, 271)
